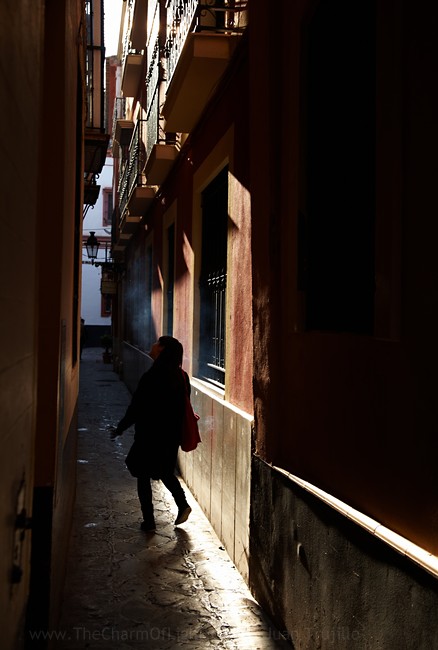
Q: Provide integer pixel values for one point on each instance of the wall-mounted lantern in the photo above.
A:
(92, 246)
(108, 267)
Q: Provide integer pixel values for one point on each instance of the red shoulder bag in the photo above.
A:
(190, 437)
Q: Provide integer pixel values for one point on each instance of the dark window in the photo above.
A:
(138, 324)
(170, 277)
(106, 305)
(213, 279)
(107, 196)
(336, 229)
(149, 325)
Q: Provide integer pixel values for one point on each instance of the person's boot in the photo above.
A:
(183, 514)
(148, 525)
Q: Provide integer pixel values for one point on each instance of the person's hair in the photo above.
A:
(172, 353)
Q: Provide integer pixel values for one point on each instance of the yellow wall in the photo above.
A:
(21, 81)
(41, 183)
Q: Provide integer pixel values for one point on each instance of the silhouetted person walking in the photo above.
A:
(156, 409)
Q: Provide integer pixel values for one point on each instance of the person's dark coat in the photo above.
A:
(156, 410)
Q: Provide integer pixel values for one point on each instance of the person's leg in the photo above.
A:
(174, 486)
(144, 491)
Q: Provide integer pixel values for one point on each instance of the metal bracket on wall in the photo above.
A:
(22, 523)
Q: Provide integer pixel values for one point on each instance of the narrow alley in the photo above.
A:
(124, 588)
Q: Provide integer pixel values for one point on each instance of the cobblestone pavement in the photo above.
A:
(176, 588)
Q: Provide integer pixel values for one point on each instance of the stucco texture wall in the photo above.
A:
(354, 414)
(21, 48)
(41, 127)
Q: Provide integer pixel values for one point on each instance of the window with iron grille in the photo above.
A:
(213, 280)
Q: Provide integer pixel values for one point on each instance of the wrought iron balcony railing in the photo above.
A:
(127, 44)
(94, 65)
(133, 171)
(155, 77)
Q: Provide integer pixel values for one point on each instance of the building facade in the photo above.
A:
(273, 184)
(52, 143)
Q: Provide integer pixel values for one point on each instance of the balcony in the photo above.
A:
(160, 162)
(139, 22)
(202, 63)
(128, 225)
(161, 149)
(91, 190)
(120, 245)
(123, 132)
(96, 140)
(131, 72)
(200, 41)
(95, 150)
(135, 197)
(122, 127)
(140, 199)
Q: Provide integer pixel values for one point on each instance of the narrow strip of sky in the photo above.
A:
(112, 12)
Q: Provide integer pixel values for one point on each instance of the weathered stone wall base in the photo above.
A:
(328, 583)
